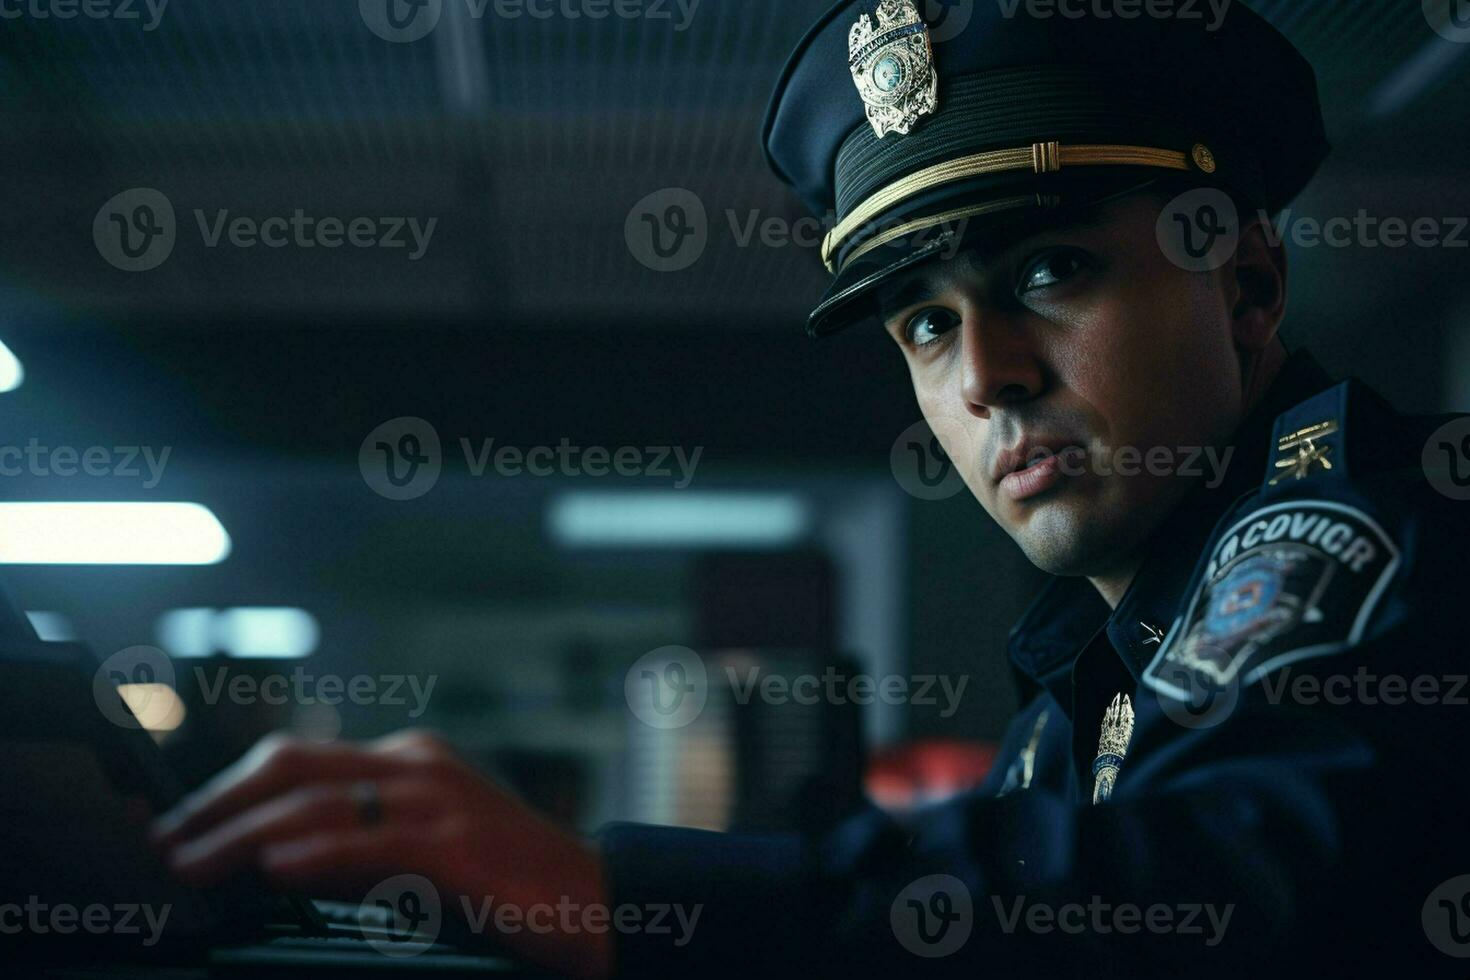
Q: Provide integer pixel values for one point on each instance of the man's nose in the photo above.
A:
(1001, 364)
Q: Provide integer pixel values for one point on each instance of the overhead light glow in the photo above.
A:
(52, 627)
(12, 374)
(111, 534)
(677, 519)
(157, 707)
(250, 632)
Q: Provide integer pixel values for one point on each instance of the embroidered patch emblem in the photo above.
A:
(1288, 582)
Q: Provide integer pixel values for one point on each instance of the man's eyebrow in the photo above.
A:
(918, 288)
(923, 286)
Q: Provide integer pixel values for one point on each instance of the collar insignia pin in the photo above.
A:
(892, 63)
(1308, 453)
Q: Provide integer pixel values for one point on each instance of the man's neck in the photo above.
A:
(1257, 374)
(1112, 586)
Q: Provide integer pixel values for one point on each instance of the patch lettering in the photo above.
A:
(1287, 582)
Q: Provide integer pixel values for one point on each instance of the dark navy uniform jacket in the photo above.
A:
(1292, 796)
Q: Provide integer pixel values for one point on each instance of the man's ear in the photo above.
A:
(1259, 287)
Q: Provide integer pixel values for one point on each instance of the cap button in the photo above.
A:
(1203, 158)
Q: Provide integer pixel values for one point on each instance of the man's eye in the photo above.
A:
(1049, 270)
(927, 326)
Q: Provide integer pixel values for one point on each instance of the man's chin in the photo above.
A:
(1069, 537)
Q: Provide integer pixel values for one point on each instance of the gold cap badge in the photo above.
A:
(892, 63)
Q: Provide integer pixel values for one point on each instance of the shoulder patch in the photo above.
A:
(1285, 583)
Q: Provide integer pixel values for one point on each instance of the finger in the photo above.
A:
(273, 767)
(232, 843)
(340, 865)
(235, 843)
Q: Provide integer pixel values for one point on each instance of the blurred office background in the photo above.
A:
(530, 320)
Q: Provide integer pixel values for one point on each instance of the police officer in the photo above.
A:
(1241, 749)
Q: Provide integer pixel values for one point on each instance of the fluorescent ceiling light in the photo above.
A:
(111, 534)
(677, 519)
(259, 631)
(52, 627)
(12, 374)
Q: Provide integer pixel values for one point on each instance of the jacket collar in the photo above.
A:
(1069, 613)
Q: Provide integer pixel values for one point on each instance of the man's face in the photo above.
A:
(1085, 348)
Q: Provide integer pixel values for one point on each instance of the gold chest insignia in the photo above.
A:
(1112, 746)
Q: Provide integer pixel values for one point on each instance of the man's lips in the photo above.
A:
(1035, 466)
(1034, 452)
